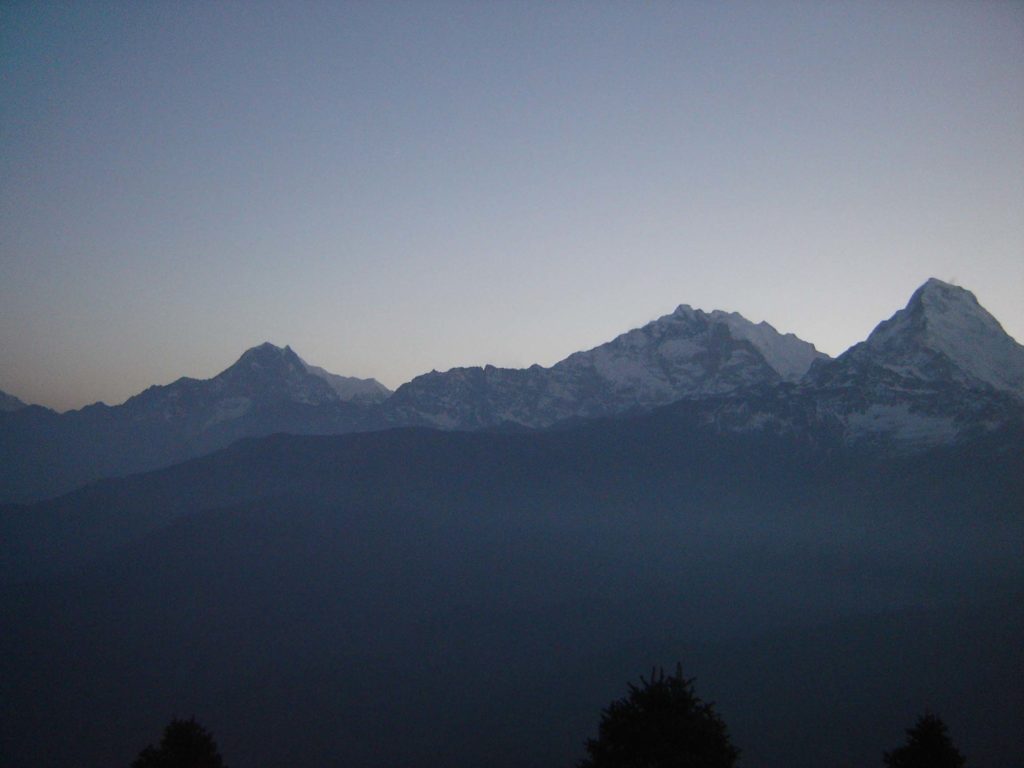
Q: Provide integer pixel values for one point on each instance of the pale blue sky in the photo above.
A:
(396, 187)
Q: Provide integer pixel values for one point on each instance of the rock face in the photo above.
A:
(688, 353)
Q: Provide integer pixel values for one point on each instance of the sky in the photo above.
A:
(396, 187)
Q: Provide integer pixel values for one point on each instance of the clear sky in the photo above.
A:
(392, 187)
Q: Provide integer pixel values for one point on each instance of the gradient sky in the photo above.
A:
(395, 187)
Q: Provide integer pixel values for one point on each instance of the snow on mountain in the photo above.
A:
(350, 388)
(688, 353)
(10, 403)
(786, 353)
(267, 390)
(943, 335)
(947, 320)
(263, 374)
(938, 370)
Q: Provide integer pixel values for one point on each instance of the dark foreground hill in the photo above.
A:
(423, 598)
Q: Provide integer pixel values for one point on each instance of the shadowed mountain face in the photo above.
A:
(424, 598)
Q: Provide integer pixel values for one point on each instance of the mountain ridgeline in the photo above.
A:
(940, 370)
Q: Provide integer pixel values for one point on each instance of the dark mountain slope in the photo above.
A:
(428, 598)
(10, 403)
(665, 457)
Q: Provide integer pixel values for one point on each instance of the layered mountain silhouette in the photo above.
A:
(940, 370)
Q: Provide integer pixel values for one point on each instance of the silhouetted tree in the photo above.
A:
(186, 744)
(928, 746)
(660, 724)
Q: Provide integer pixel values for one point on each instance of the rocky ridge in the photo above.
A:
(689, 353)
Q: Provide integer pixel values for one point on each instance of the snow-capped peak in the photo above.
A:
(948, 320)
(699, 352)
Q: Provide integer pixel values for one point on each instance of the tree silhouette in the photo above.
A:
(185, 744)
(928, 746)
(660, 724)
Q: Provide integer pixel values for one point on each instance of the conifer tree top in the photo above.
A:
(661, 723)
(928, 746)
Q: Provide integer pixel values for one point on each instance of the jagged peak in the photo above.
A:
(266, 355)
(945, 322)
(939, 313)
(685, 310)
(933, 283)
(787, 353)
(266, 349)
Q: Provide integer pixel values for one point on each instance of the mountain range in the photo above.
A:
(939, 370)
